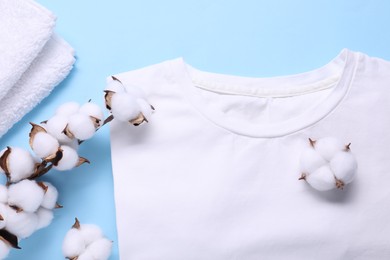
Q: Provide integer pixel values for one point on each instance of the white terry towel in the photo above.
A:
(51, 66)
(25, 27)
(32, 60)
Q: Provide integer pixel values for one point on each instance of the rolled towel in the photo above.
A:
(51, 66)
(25, 27)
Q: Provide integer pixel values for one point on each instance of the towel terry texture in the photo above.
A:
(33, 60)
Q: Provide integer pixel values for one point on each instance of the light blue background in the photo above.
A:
(249, 38)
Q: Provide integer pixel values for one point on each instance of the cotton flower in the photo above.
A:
(50, 196)
(68, 109)
(56, 125)
(17, 163)
(70, 159)
(86, 241)
(3, 215)
(128, 105)
(44, 145)
(45, 216)
(100, 248)
(26, 194)
(20, 223)
(327, 163)
(4, 249)
(124, 107)
(3, 194)
(92, 110)
(80, 126)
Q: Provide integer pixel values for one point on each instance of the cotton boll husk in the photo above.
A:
(90, 233)
(73, 244)
(86, 256)
(4, 214)
(145, 107)
(115, 86)
(44, 145)
(67, 109)
(124, 107)
(81, 126)
(322, 179)
(21, 224)
(344, 166)
(1, 154)
(25, 194)
(3, 194)
(69, 159)
(311, 160)
(21, 164)
(91, 109)
(100, 249)
(328, 147)
(56, 125)
(45, 216)
(135, 92)
(4, 249)
(50, 197)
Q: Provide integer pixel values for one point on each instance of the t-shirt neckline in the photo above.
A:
(344, 65)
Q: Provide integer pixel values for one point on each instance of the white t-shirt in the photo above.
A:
(214, 174)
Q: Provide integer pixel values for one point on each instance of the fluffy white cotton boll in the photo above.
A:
(86, 256)
(4, 249)
(311, 160)
(3, 194)
(69, 159)
(67, 109)
(344, 166)
(73, 244)
(44, 144)
(21, 164)
(328, 147)
(50, 197)
(25, 194)
(21, 224)
(115, 86)
(90, 233)
(81, 126)
(56, 125)
(45, 216)
(136, 92)
(322, 179)
(91, 109)
(145, 107)
(4, 215)
(124, 107)
(100, 249)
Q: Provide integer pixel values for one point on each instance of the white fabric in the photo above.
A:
(215, 175)
(32, 59)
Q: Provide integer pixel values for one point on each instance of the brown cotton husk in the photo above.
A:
(138, 120)
(43, 186)
(67, 132)
(34, 130)
(4, 161)
(76, 224)
(312, 142)
(58, 206)
(55, 158)
(96, 122)
(81, 161)
(9, 238)
(116, 79)
(108, 98)
(348, 147)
